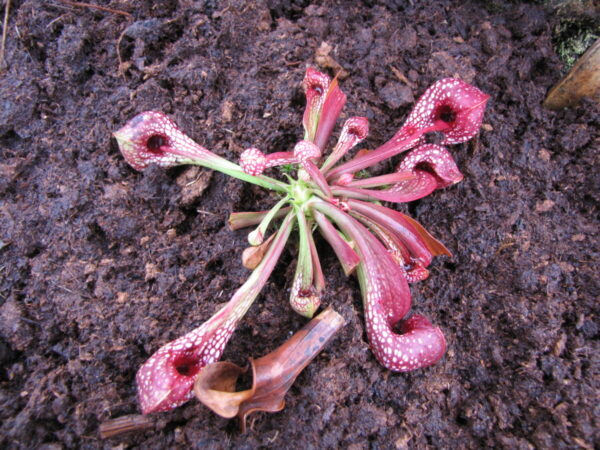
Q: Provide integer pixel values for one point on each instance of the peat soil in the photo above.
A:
(101, 265)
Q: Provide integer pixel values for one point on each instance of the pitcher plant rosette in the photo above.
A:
(386, 249)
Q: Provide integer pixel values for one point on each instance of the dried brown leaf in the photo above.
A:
(273, 374)
(252, 256)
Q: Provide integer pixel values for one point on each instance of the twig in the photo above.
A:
(120, 68)
(3, 64)
(31, 322)
(53, 21)
(402, 77)
(98, 7)
(125, 424)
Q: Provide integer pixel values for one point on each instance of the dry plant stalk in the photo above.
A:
(3, 64)
(125, 424)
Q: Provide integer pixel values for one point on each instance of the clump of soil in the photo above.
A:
(104, 265)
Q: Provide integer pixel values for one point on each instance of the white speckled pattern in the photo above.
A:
(162, 384)
(305, 151)
(433, 167)
(386, 299)
(462, 103)
(393, 248)
(253, 161)
(176, 147)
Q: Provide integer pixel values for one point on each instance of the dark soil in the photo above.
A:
(101, 265)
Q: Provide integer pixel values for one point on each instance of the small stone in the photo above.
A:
(544, 155)
(265, 21)
(314, 10)
(396, 95)
(578, 237)
(544, 206)
(559, 345)
(326, 61)
(89, 269)
(407, 38)
(402, 441)
(264, 25)
(227, 111)
(489, 41)
(589, 329)
(151, 271)
(443, 64)
(122, 297)
(566, 267)
(193, 182)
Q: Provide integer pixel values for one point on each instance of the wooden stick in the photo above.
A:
(98, 7)
(3, 64)
(125, 424)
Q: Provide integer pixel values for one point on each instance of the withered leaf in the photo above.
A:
(252, 256)
(273, 374)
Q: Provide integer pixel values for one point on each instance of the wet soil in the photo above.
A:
(101, 265)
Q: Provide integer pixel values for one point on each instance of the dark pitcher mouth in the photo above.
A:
(446, 113)
(155, 143)
(187, 366)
